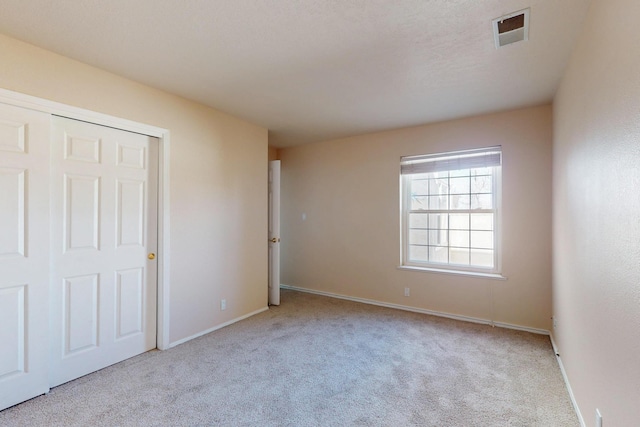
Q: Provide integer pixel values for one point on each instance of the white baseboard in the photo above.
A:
(566, 382)
(419, 310)
(215, 328)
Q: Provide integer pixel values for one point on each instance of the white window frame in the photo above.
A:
(449, 161)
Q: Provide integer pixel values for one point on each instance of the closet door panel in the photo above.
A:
(24, 254)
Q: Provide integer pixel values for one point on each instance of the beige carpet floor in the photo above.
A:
(318, 361)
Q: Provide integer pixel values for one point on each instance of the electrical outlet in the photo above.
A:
(223, 304)
(407, 292)
(555, 323)
(598, 418)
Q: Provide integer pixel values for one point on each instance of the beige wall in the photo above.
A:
(218, 182)
(596, 221)
(273, 153)
(349, 242)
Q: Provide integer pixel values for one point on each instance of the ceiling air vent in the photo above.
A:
(511, 28)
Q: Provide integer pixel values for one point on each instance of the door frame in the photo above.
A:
(55, 108)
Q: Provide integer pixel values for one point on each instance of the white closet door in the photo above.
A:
(104, 243)
(24, 254)
(274, 232)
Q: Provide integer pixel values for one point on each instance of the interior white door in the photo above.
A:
(24, 254)
(104, 242)
(274, 232)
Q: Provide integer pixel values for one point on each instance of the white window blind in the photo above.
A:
(469, 159)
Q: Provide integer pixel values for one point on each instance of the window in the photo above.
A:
(450, 210)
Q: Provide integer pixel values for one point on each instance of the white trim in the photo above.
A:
(493, 276)
(566, 382)
(164, 250)
(164, 245)
(419, 310)
(59, 109)
(215, 328)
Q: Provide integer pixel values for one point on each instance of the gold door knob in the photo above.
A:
(151, 256)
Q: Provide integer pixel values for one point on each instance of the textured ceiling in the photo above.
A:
(312, 70)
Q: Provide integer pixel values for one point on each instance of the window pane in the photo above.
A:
(457, 173)
(482, 184)
(459, 185)
(438, 221)
(419, 187)
(481, 171)
(418, 220)
(438, 186)
(482, 239)
(460, 202)
(438, 254)
(459, 238)
(482, 221)
(418, 253)
(459, 221)
(417, 176)
(453, 217)
(459, 256)
(419, 203)
(481, 201)
(438, 237)
(482, 258)
(438, 202)
(418, 237)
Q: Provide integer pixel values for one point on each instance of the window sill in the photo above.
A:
(494, 276)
